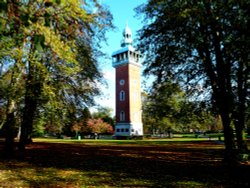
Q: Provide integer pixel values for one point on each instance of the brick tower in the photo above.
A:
(126, 62)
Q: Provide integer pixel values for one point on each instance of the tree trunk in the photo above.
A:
(239, 127)
(27, 119)
(239, 114)
(228, 139)
(9, 130)
(33, 88)
(222, 91)
(241, 144)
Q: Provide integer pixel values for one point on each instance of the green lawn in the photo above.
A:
(128, 163)
(107, 141)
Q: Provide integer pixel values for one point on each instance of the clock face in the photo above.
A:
(122, 82)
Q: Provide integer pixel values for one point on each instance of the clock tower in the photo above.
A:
(126, 62)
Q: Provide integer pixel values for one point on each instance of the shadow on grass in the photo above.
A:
(189, 164)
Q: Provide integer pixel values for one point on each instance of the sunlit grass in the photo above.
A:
(30, 176)
(27, 175)
(113, 141)
(189, 184)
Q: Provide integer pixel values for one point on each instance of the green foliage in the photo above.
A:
(167, 108)
(104, 113)
(202, 43)
(48, 57)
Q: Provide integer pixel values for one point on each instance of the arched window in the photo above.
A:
(122, 116)
(122, 96)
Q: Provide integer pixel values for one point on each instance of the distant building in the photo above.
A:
(126, 62)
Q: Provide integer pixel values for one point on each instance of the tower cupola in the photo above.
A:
(127, 54)
(127, 37)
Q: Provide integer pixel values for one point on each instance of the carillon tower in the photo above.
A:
(126, 62)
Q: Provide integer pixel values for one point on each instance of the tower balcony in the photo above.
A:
(126, 55)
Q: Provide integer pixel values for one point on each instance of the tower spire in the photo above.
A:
(127, 36)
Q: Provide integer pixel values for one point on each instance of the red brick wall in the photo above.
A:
(122, 73)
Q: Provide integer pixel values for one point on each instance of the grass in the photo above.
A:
(108, 141)
(128, 163)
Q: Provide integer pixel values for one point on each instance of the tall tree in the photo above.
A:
(57, 47)
(166, 107)
(202, 42)
(160, 106)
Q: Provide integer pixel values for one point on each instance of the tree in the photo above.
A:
(166, 107)
(206, 43)
(80, 124)
(77, 127)
(97, 126)
(53, 45)
(11, 89)
(160, 106)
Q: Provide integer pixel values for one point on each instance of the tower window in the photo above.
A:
(122, 116)
(122, 96)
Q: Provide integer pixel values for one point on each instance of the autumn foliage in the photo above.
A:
(93, 126)
(98, 126)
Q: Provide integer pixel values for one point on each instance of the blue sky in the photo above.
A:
(123, 12)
